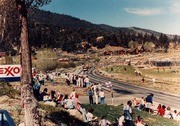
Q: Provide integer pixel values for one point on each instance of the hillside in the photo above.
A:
(52, 30)
(60, 20)
(68, 33)
(67, 21)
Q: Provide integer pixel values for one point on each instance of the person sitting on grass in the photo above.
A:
(161, 110)
(139, 121)
(53, 96)
(135, 102)
(104, 122)
(60, 99)
(68, 103)
(43, 95)
(168, 113)
(141, 104)
(90, 117)
(121, 120)
(174, 115)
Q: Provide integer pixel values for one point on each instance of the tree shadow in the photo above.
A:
(63, 117)
(122, 91)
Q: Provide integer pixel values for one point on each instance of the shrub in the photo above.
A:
(7, 89)
(63, 65)
(75, 59)
(9, 60)
(71, 64)
(45, 64)
(97, 60)
(66, 65)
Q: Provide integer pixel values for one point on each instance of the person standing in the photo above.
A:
(36, 88)
(73, 94)
(67, 79)
(86, 81)
(51, 78)
(96, 92)
(149, 102)
(74, 79)
(128, 114)
(90, 94)
(102, 96)
(112, 95)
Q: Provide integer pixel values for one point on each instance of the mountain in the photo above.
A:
(48, 29)
(62, 20)
(68, 33)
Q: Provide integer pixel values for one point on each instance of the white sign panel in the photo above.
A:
(10, 71)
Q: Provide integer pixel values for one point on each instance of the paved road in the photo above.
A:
(137, 91)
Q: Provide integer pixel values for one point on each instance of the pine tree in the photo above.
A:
(29, 103)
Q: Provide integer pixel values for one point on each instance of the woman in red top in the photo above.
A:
(161, 111)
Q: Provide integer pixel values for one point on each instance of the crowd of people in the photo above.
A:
(147, 104)
(96, 91)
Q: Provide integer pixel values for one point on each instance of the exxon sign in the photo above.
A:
(10, 73)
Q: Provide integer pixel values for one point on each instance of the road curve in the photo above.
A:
(137, 91)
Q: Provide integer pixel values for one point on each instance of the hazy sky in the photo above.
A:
(158, 15)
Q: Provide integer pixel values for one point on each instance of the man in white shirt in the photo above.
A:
(102, 96)
(86, 82)
(96, 93)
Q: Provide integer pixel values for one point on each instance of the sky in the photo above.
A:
(159, 15)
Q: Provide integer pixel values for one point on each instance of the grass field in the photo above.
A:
(57, 115)
(112, 112)
(173, 72)
(166, 79)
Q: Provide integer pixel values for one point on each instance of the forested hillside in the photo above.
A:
(49, 29)
(71, 34)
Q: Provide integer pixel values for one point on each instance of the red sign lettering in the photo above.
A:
(16, 70)
(10, 70)
(1, 70)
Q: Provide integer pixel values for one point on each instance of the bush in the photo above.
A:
(7, 89)
(9, 60)
(97, 60)
(63, 65)
(66, 65)
(71, 64)
(45, 64)
(75, 59)
(149, 46)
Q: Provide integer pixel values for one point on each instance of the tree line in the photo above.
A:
(51, 30)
